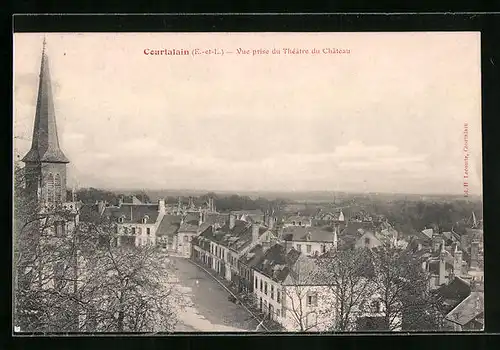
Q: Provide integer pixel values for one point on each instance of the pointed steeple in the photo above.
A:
(45, 143)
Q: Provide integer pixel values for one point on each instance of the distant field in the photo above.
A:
(313, 197)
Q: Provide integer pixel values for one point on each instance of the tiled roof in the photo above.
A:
(169, 225)
(133, 213)
(276, 262)
(470, 308)
(313, 234)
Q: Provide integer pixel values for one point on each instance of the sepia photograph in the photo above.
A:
(175, 183)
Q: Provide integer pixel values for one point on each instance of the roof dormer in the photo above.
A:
(121, 219)
(145, 219)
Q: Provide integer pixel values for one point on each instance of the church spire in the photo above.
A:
(45, 143)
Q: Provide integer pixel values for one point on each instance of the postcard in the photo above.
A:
(247, 183)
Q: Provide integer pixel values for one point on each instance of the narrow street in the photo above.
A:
(210, 309)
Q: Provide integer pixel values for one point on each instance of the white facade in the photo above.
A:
(184, 243)
(311, 248)
(296, 308)
(227, 259)
(144, 233)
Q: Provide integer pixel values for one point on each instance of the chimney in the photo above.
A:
(232, 221)
(474, 254)
(335, 238)
(270, 221)
(161, 206)
(200, 221)
(255, 232)
(457, 262)
(101, 205)
(120, 201)
(442, 266)
(477, 285)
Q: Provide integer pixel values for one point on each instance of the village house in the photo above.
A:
(190, 228)
(468, 315)
(287, 290)
(227, 243)
(256, 215)
(311, 241)
(367, 234)
(322, 218)
(297, 220)
(135, 223)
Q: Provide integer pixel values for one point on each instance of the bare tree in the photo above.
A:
(348, 275)
(401, 285)
(70, 275)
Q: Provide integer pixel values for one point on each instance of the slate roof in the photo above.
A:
(45, 142)
(454, 293)
(169, 225)
(469, 309)
(353, 228)
(237, 238)
(254, 256)
(188, 227)
(276, 262)
(353, 231)
(312, 234)
(133, 213)
(297, 219)
(247, 212)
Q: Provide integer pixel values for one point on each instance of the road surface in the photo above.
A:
(209, 310)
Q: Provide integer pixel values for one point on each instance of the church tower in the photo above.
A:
(45, 162)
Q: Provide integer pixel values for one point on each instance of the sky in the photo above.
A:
(387, 117)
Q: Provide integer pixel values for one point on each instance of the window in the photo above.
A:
(375, 306)
(311, 319)
(120, 220)
(139, 230)
(278, 296)
(116, 229)
(57, 228)
(260, 305)
(367, 240)
(133, 230)
(256, 282)
(50, 188)
(300, 223)
(265, 288)
(312, 299)
(308, 248)
(261, 284)
(323, 248)
(272, 291)
(299, 247)
(57, 185)
(148, 230)
(293, 223)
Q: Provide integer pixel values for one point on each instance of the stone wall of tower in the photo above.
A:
(32, 175)
(51, 186)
